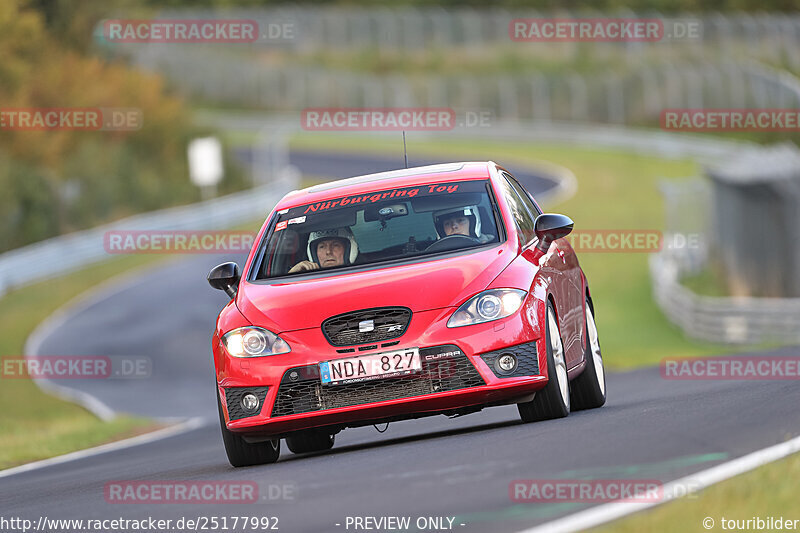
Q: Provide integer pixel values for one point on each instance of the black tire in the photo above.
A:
(310, 441)
(549, 402)
(241, 453)
(589, 389)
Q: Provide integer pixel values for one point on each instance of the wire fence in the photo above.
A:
(637, 97)
(735, 62)
(769, 37)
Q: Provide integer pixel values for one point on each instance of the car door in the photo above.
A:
(561, 265)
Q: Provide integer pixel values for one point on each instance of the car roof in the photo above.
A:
(406, 177)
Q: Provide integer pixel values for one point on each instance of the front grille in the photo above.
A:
(233, 398)
(527, 360)
(387, 323)
(444, 368)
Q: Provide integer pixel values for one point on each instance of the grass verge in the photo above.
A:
(34, 425)
(740, 498)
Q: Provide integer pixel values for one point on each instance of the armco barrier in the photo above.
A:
(63, 254)
(715, 319)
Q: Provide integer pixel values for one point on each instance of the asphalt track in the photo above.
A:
(461, 468)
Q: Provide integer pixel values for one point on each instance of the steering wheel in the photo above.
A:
(451, 242)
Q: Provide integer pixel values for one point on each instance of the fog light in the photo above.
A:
(506, 363)
(250, 402)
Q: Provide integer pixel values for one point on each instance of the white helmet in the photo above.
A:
(470, 211)
(350, 245)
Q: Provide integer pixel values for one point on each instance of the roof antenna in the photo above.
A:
(405, 152)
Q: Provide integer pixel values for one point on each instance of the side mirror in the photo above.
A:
(225, 277)
(549, 227)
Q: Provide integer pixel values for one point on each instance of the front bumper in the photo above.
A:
(454, 376)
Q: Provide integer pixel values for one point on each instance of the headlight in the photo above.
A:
(487, 306)
(254, 342)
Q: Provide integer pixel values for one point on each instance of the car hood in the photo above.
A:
(432, 284)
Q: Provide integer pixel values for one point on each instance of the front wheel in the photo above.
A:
(553, 401)
(241, 453)
(589, 389)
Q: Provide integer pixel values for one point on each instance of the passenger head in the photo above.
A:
(330, 248)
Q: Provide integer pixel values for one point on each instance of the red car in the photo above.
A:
(432, 290)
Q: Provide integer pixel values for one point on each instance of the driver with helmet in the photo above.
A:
(460, 221)
(328, 248)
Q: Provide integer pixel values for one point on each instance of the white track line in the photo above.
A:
(182, 427)
(611, 511)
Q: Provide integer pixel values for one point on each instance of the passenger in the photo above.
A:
(327, 249)
(460, 221)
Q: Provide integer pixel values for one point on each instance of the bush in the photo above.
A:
(60, 181)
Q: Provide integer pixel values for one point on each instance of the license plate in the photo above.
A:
(368, 367)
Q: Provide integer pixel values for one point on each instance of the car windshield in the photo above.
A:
(380, 226)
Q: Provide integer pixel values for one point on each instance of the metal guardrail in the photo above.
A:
(66, 253)
(731, 320)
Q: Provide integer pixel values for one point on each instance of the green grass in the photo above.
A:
(770, 490)
(616, 190)
(34, 425)
(707, 283)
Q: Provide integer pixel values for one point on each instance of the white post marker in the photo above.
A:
(205, 165)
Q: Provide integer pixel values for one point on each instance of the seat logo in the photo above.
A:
(365, 326)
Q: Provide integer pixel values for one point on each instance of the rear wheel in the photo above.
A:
(241, 453)
(553, 401)
(589, 389)
(310, 441)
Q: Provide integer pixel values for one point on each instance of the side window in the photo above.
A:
(522, 216)
(525, 195)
